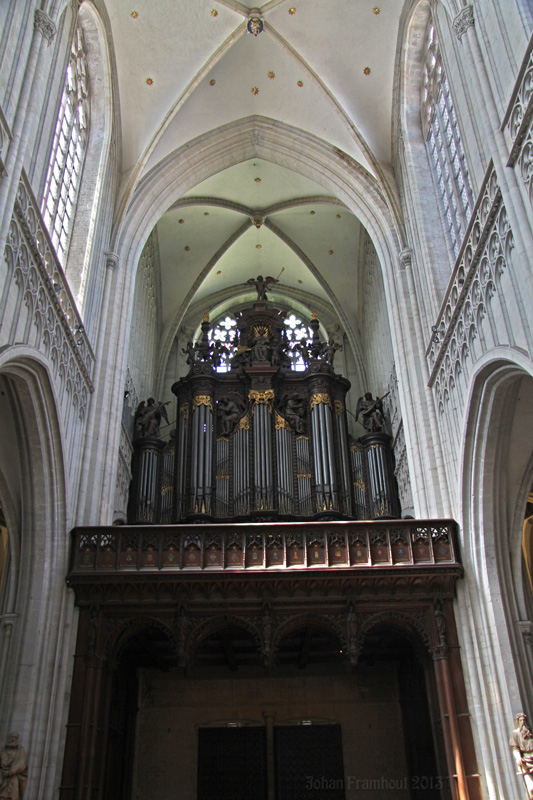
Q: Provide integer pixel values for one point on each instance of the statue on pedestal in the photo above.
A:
(521, 743)
(14, 769)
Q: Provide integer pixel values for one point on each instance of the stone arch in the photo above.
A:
(497, 470)
(36, 615)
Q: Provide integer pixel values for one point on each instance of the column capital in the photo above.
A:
(111, 260)
(463, 21)
(43, 23)
(405, 257)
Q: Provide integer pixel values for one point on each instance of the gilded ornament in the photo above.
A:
(303, 475)
(205, 318)
(339, 407)
(360, 484)
(202, 400)
(261, 397)
(134, 14)
(243, 424)
(280, 423)
(319, 397)
(367, 71)
(271, 75)
(184, 410)
(255, 90)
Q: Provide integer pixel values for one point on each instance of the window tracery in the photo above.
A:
(444, 145)
(298, 336)
(68, 151)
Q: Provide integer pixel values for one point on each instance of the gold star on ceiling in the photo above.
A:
(212, 82)
(149, 81)
(258, 246)
(292, 10)
(257, 180)
(367, 70)
(375, 10)
(134, 14)
(255, 90)
(214, 13)
(300, 83)
(271, 75)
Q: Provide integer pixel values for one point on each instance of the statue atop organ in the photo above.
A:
(260, 440)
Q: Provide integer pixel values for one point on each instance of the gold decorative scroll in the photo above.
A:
(339, 408)
(319, 397)
(305, 438)
(244, 423)
(281, 422)
(184, 410)
(303, 475)
(222, 439)
(355, 448)
(261, 397)
(202, 400)
(360, 484)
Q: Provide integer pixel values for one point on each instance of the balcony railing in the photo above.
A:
(396, 544)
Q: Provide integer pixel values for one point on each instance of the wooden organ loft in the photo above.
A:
(264, 542)
(262, 441)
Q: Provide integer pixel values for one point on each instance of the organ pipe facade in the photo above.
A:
(261, 439)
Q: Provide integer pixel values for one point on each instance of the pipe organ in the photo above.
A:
(262, 440)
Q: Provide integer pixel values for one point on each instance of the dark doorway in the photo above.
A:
(309, 762)
(232, 764)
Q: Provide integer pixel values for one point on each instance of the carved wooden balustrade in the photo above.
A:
(397, 545)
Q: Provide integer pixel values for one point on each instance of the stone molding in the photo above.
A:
(50, 308)
(45, 25)
(475, 281)
(463, 21)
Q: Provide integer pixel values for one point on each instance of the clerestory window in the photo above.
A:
(444, 146)
(68, 151)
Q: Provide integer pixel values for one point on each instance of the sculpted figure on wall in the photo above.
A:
(148, 417)
(14, 769)
(521, 743)
(371, 411)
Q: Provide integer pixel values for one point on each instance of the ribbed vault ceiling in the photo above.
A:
(324, 67)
